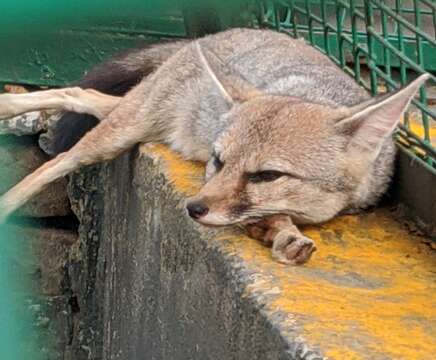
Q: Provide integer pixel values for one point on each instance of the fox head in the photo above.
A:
(282, 155)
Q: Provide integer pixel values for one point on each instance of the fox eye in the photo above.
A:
(217, 163)
(264, 176)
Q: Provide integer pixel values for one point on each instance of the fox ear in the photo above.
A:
(232, 86)
(373, 121)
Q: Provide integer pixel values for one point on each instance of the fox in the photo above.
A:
(286, 136)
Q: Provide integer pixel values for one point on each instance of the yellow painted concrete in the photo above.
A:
(369, 292)
(416, 127)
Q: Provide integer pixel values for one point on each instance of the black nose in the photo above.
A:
(197, 209)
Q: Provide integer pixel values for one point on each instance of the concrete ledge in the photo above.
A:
(151, 284)
(415, 189)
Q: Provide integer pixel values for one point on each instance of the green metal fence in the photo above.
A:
(383, 44)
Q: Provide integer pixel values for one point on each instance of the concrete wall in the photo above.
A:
(150, 285)
(415, 189)
(145, 282)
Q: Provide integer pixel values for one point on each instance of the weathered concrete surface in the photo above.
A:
(25, 124)
(47, 248)
(19, 156)
(43, 255)
(39, 255)
(415, 188)
(51, 317)
(151, 284)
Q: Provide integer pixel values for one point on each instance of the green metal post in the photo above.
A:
(326, 27)
(370, 39)
(339, 35)
(386, 52)
(355, 44)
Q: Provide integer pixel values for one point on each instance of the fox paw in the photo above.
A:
(293, 249)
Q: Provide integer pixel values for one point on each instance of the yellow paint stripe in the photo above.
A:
(417, 128)
(368, 293)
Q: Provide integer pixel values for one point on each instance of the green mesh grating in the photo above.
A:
(383, 44)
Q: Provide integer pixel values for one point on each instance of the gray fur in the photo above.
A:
(273, 62)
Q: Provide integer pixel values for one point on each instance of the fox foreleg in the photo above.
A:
(118, 132)
(289, 245)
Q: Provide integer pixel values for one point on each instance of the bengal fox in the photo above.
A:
(288, 137)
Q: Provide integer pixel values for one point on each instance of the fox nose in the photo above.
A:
(197, 209)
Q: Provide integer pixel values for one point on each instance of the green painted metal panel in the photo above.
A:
(49, 42)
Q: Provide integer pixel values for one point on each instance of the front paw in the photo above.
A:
(291, 248)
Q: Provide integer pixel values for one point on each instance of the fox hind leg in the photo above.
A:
(74, 99)
(117, 133)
